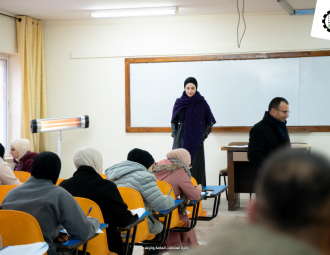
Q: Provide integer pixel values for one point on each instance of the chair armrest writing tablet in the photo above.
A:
(217, 189)
(139, 220)
(177, 202)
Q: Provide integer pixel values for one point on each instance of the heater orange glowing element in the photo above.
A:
(58, 124)
(49, 124)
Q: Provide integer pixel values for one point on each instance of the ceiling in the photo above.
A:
(80, 9)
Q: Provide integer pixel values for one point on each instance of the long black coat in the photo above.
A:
(89, 184)
(265, 139)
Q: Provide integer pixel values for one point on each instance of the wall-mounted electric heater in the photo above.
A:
(59, 124)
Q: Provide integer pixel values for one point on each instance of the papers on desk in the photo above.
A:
(301, 145)
(27, 249)
(237, 146)
(63, 231)
(139, 211)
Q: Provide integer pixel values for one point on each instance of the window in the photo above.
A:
(3, 99)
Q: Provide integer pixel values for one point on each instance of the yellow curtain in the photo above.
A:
(30, 45)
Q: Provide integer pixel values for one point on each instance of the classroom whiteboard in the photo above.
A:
(238, 91)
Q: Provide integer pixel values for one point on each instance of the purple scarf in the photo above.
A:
(198, 114)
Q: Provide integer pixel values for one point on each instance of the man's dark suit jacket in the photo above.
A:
(265, 139)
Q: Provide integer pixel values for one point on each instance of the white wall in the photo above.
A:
(85, 75)
(8, 43)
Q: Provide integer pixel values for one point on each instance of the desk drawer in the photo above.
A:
(240, 156)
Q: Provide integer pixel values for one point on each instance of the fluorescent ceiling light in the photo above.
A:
(135, 12)
(304, 11)
(292, 11)
(286, 6)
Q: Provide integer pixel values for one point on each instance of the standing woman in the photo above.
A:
(191, 123)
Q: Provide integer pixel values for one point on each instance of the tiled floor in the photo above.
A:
(204, 229)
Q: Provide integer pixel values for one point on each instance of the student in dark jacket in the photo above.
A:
(52, 206)
(88, 183)
(271, 133)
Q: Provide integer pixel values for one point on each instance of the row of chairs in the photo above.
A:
(27, 230)
(24, 176)
(19, 228)
(133, 200)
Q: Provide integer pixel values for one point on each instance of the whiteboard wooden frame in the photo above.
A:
(297, 54)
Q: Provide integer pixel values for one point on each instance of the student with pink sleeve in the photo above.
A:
(175, 171)
(7, 176)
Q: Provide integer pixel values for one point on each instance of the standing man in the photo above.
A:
(271, 133)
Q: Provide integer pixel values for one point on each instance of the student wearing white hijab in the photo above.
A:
(7, 176)
(88, 183)
(22, 156)
(89, 157)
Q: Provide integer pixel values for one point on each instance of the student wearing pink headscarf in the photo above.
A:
(23, 157)
(175, 171)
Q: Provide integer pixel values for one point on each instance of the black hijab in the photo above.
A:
(191, 80)
(2, 150)
(46, 165)
(142, 157)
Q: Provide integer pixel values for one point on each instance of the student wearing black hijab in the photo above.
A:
(7, 176)
(48, 166)
(2, 151)
(142, 157)
(52, 206)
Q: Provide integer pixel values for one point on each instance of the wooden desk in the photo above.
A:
(242, 174)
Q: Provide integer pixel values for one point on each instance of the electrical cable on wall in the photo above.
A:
(239, 19)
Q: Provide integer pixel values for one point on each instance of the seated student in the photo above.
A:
(290, 214)
(88, 183)
(52, 206)
(174, 170)
(6, 174)
(23, 157)
(136, 173)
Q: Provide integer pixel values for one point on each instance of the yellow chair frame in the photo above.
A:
(99, 244)
(4, 189)
(59, 180)
(201, 212)
(22, 176)
(133, 200)
(18, 228)
(165, 189)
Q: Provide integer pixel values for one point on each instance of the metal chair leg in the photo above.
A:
(224, 178)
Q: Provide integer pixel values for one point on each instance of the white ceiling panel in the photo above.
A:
(80, 9)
